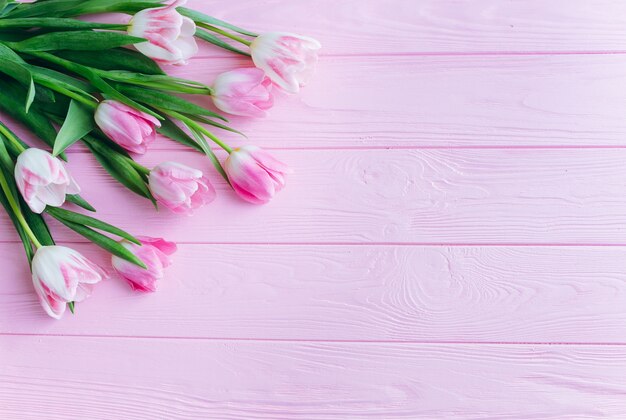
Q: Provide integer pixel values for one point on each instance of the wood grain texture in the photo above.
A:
(135, 379)
(432, 129)
(435, 26)
(367, 293)
(466, 101)
(484, 196)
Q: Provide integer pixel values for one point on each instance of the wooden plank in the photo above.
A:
(136, 379)
(478, 196)
(458, 294)
(463, 101)
(433, 26)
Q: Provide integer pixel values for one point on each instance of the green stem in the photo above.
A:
(140, 168)
(6, 133)
(195, 125)
(73, 95)
(16, 209)
(169, 85)
(222, 32)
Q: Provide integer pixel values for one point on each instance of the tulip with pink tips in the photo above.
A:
(62, 276)
(132, 129)
(256, 175)
(170, 36)
(246, 92)
(154, 253)
(180, 188)
(43, 179)
(287, 59)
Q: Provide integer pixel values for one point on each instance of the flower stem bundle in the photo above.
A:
(106, 85)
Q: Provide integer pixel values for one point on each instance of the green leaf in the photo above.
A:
(164, 100)
(213, 39)
(10, 145)
(66, 8)
(6, 160)
(116, 59)
(81, 219)
(6, 6)
(161, 82)
(78, 123)
(170, 130)
(210, 20)
(20, 73)
(119, 168)
(37, 225)
(47, 8)
(112, 6)
(47, 77)
(102, 241)
(207, 121)
(56, 23)
(80, 202)
(209, 152)
(93, 76)
(76, 40)
(38, 123)
(7, 53)
(28, 247)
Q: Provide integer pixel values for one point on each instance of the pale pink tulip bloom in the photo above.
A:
(62, 275)
(169, 35)
(180, 188)
(246, 92)
(256, 176)
(154, 253)
(132, 129)
(287, 59)
(43, 179)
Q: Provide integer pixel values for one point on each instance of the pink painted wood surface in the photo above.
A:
(450, 246)
(442, 101)
(460, 196)
(205, 379)
(348, 27)
(367, 293)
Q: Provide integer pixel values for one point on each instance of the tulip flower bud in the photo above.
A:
(132, 129)
(43, 179)
(256, 176)
(170, 35)
(62, 275)
(246, 92)
(287, 59)
(180, 188)
(154, 253)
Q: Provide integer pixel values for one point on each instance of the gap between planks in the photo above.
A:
(285, 340)
(390, 244)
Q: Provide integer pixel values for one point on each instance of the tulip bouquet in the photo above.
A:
(70, 80)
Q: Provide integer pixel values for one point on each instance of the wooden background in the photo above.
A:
(452, 244)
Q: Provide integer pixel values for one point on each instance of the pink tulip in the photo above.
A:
(132, 129)
(180, 188)
(287, 59)
(62, 275)
(154, 252)
(246, 92)
(43, 179)
(256, 176)
(170, 35)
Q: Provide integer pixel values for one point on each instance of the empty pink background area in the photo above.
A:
(451, 245)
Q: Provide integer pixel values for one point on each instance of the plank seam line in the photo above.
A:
(407, 244)
(285, 340)
(440, 54)
(424, 147)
